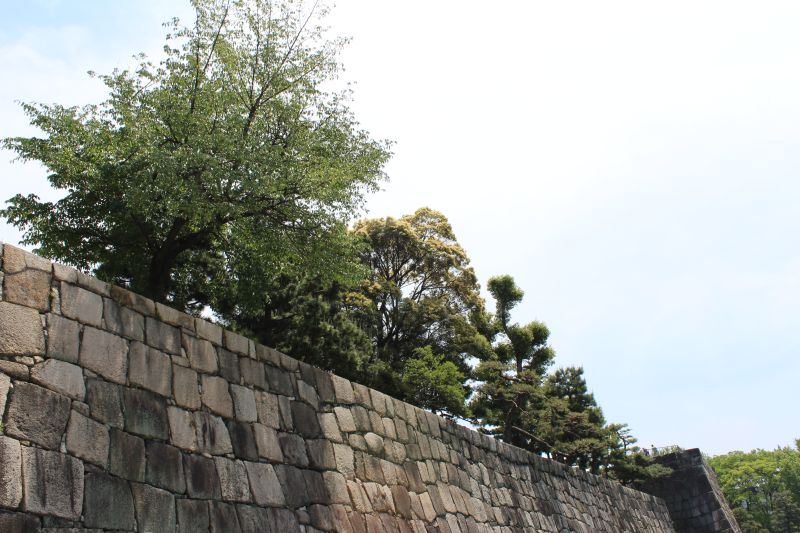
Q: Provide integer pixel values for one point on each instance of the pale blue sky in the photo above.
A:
(634, 167)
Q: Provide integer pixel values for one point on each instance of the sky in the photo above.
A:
(634, 165)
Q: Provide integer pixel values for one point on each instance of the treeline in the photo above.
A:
(226, 179)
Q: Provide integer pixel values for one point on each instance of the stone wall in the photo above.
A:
(692, 494)
(122, 414)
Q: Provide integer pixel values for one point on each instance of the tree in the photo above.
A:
(433, 383)
(225, 159)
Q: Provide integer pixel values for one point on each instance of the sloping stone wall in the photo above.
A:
(122, 414)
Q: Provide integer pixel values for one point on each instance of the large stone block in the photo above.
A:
(174, 317)
(145, 414)
(223, 518)
(37, 414)
(133, 301)
(182, 428)
(229, 365)
(346, 421)
(109, 503)
(345, 460)
(233, 480)
(10, 473)
(305, 420)
(212, 435)
(336, 486)
(267, 443)
(20, 330)
(105, 354)
(126, 457)
(87, 439)
(343, 389)
(150, 369)
(30, 288)
(61, 377)
(81, 305)
(243, 440)
(252, 372)
(201, 353)
(162, 336)
(329, 427)
(63, 338)
(105, 402)
(202, 480)
(216, 396)
(268, 410)
(282, 520)
(122, 320)
(244, 403)
(52, 483)
(192, 516)
(236, 343)
(264, 485)
(16, 260)
(208, 331)
(185, 387)
(155, 509)
(165, 467)
(293, 485)
(280, 381)
(294, 449)
(253, 519)
(19, 522)
(320, 454)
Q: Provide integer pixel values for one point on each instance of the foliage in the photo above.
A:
(225, 159)
(433, 383)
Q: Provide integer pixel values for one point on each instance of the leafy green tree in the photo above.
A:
(224, 160)
(433, 383)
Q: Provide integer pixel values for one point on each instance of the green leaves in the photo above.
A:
(434, 383)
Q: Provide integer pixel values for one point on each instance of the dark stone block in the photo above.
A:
(282, 520)
(253, 373)
(224, 518)
(280, 381)
(243, 440)
(52, 483)
(202, 480)
(126, 456)
(305, 420)
(108, 503)
(315, 485)
(37, 414)
(293, 448)
(321, 517)
(402, 501)
(293, 484)
(229, 366)
(361, 417)
(105, 403)
(145, 414)
(253, 519)
(320, 454)
(324, 385)
(155, 509)
(192, 516)
(19, 523)
(165, 467)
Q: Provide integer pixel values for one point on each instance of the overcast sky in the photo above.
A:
(634, 165)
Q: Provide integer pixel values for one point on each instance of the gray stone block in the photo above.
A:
(202, 480)
(321, 517)
(305, 420)
(150, 369)
(105, 354)
(229, 365)
(345, 460)
(307, 394)
(165, 467)
(294, 449)
(282, 520)
(126, 457)
(342, 389)
(243, 440)
(212, 435)
(16, 260)
(87, 439)
(216, 396)
(253, 519)
(10, 473)
(30, 288)
(105, 402)
(252, 372)
(63, 338)
(264, 485)
(52, 483)
(122, 320)
(174, 317)
(185, 387)
(315, 486)
(244, 403)
(233, 480)
(236, 343)
(82, 305)
(329, 427)
(192, 516)
(61, 377)
(138, 303)
(155, 509)
(320, 454)
(267, 409)
(267, 443)
(20, 330)
(336, 486)
(182, 428)
(162, 336)
(223, 518)
(208, 331)
(293, 485)
(37, 414)
(109, 503)
(280, 381)
(145, 414)
(201, 353)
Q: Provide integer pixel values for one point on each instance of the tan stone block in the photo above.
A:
(16, 260)
(343, 389)
(185, 387)
(63, 338)
(10, 473)
(267, 443)
(30, 288)
(268, 409)
(182, 428)
(244, 403)
(233, 480)
(216, 396)
(20, 330)
(208, 331)
(105, 354)
(345, 460)
(264, 485)
(150, 368)
(236, 343)
(87, 439)
(81, 305)
(60, 376)
(345, 418)
(201, 353)
(330, 428)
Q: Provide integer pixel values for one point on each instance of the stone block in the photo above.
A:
(329, 427)
(233, 482)
(320, 454)
(133, 301)
(174, 317)
(109, 503)
(268, 355)
(164, 467)
(155, 509)
(201, 353)
(208, 331)
(145, 414)
(122, 320)
(15, 370)
(81, 305)
(5, 387)
(16, 260)
(267, 443)
(19, 522)
(305, 420)
(252, 372)
(192, 516)
(182, 429)
(105, 402)
(63, 338)
(185, 387)
(374, 443)
(87, 439)
(202, 480)
(346, 421)
(223, 518)
(294, 449)
(10, 473)
(264, 485)
(244, 403)
(243, 440)
(20, 330)
(343, 390)
(150, 369)
(212, 435)
(52, 483)
(345, 463)
(61, 377)
(293, 485)
(324, 386)
(229, 365)
(361, 417)
(315, 486)
(236, 343)
(105, 354)
(126, 456)
(37, 414)
(267, 409)
(30, 288)
(336, 486)
(307, 394)
(93, 284)
(253, 519)
(162, 336)
(216, 396)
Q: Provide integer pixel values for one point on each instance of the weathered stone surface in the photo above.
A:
(344, 460)
(87, 439)
(162, 336)
(208, 331)
(329, 427)
(342, 389)
(10, 473)
(361, 417)
(267, 409)
(202, 480)
(155, 508)
(5, 387)
(282, 520)
(126, 456)
(252, 372)
(174, 317)
(63, 338)
(37, 414)
(19, 523)
(307, 394)
(229, 365)
(81, 305)
(233, 480)
(109, 503)
(14, 370)
(244, 403)
(16, 260)
(320, 454)
(145, 414)
(150, 369)
(305, 420)
(345, 418)
(212, 434)
(20, 330)
(253, 519)
(264, 484)
(165, 467)
(105, 354)
(192, 516)
(182, 429)
(105, 402)
(185, 387)
(201, 353)
(52, 483)
(61, 377)
(133, 301)
(374, 443)
(122, 320)
(280, 381)
(267, 443)
(223, 518)
(293, 485)
(294, 449)
(30, 288)
(235, 342)
(216, 396)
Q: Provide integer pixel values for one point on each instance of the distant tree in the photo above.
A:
(433, 383)
(226, 158)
